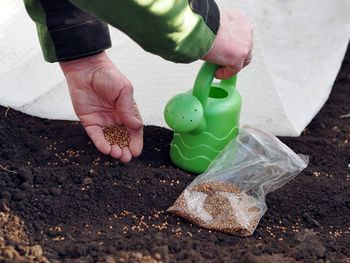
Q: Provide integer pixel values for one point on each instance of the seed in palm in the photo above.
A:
(116, 135)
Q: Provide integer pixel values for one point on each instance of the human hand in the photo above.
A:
(102, 96)
(232, 48)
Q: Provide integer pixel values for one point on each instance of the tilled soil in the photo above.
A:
(80, 206)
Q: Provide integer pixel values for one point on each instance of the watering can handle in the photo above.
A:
(205, 79)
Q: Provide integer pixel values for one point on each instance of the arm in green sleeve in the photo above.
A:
(177, 30)
(66, 32)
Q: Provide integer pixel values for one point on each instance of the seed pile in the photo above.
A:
(219, 206)
(116, 135)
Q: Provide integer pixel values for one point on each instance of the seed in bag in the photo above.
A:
(220, 206)
(116, 135)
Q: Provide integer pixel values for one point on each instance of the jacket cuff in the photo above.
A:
(209, 11)
(199, 42)
(77, 41)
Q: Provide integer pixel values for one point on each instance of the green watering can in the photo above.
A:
(204, 120)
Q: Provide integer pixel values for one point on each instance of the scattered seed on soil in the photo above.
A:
(219, 206)
(81, 215)
(116, 135)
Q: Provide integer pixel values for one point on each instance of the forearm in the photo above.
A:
(178, 30)
(66, 32)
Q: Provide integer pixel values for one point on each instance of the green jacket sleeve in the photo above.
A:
(177, 30)
(66, 32)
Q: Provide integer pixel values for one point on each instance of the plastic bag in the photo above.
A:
(230, 195)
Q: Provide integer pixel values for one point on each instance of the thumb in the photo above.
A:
(132, 118)
(128, 111)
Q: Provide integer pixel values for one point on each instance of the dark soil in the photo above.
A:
(80, 206)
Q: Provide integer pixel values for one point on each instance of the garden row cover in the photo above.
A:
(298, 50)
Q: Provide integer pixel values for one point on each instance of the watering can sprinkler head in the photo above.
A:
(184, 113)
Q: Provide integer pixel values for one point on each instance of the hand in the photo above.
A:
(102, 96)
(233, 45)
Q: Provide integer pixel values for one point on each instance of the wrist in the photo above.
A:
(85, 63)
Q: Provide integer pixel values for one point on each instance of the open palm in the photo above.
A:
(102, 96)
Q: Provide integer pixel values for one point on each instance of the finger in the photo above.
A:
(126, 155)
(127, 110)
(227, 72)
(136, 142)
(247, 61)
(96, 135)
(249, 57)
(116, 151)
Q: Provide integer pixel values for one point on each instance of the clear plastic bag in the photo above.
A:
(230, 195)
